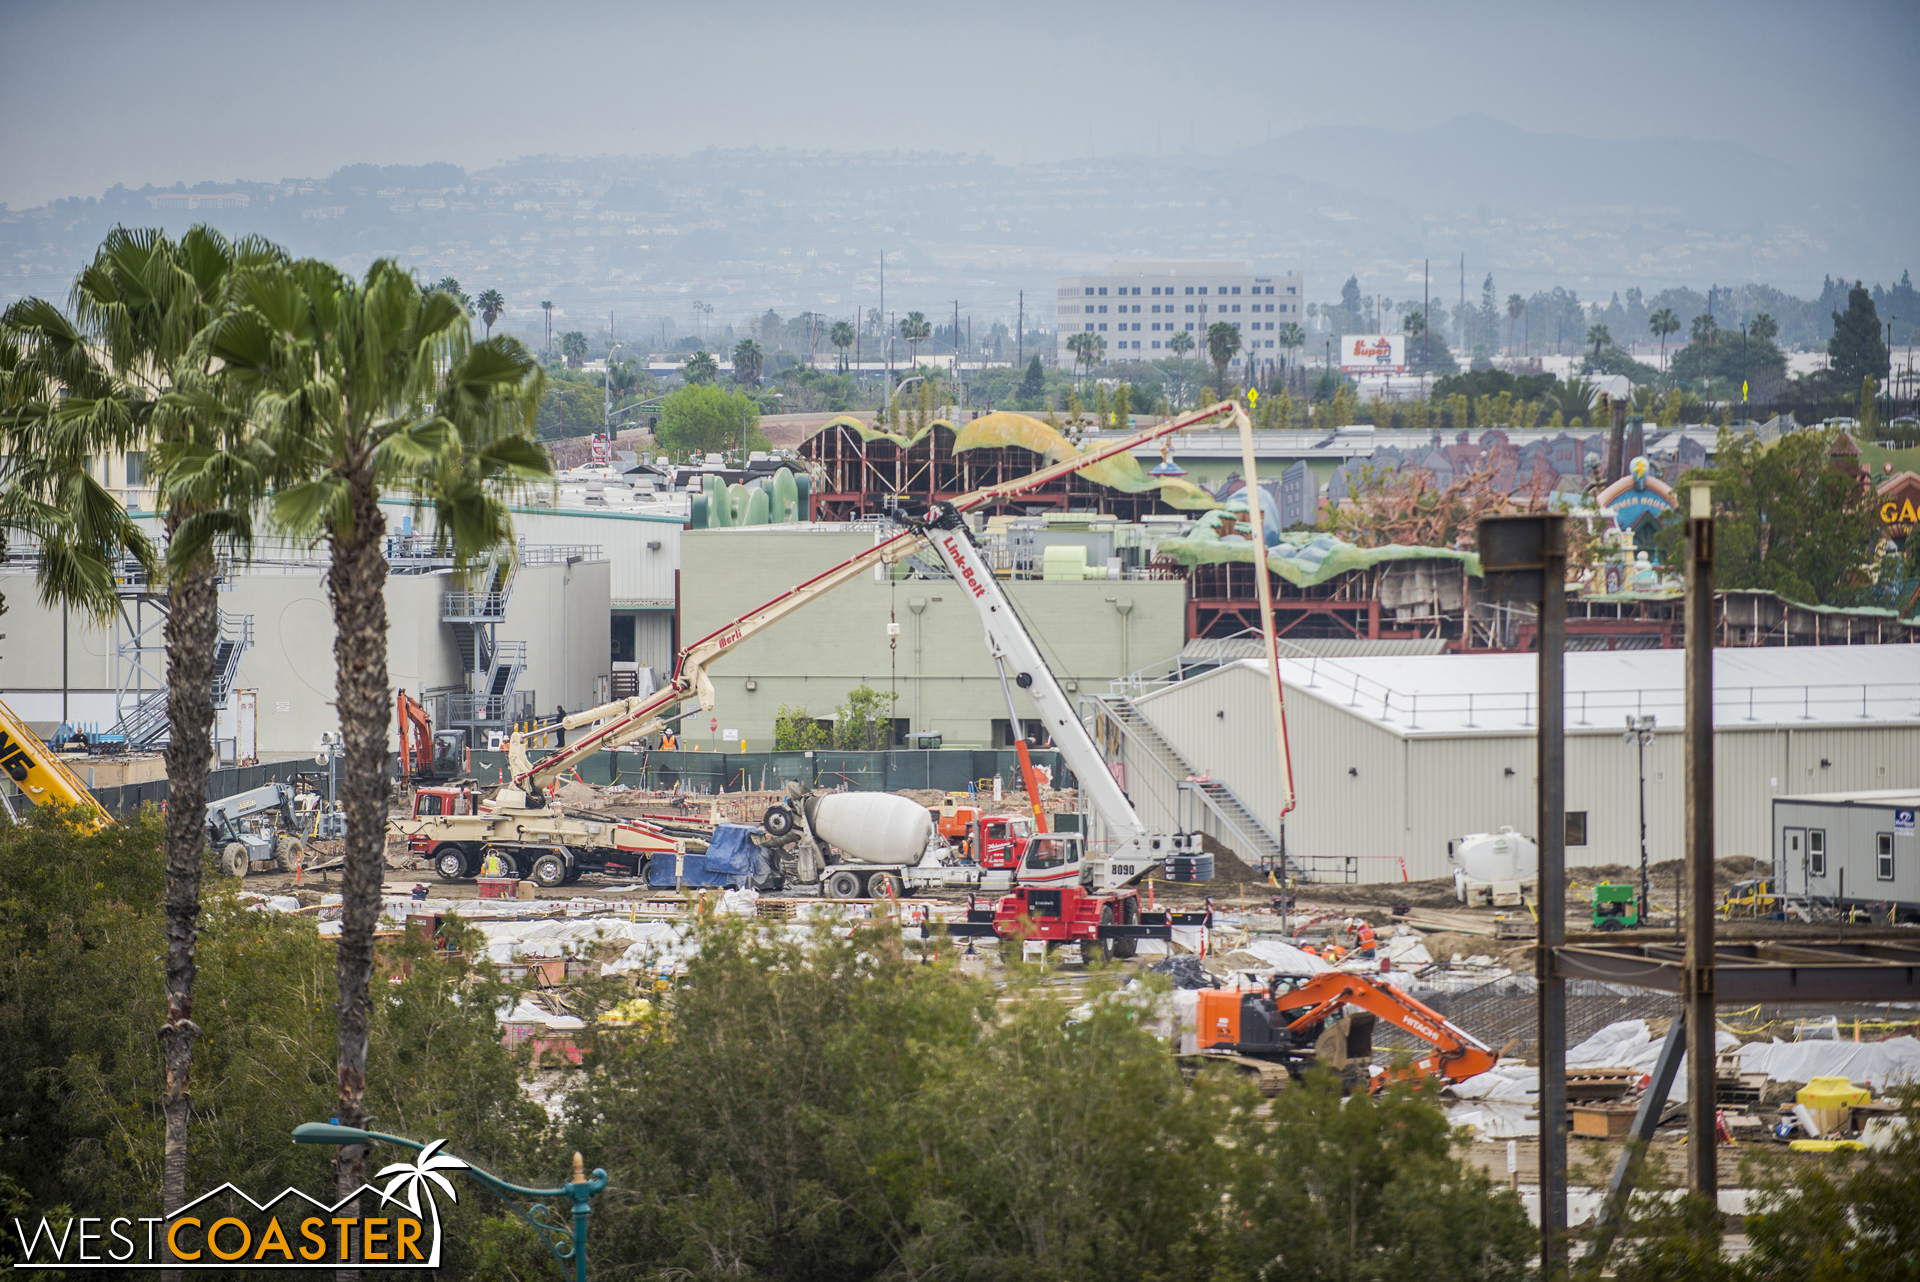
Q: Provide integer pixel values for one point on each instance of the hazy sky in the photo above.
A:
(98, 93)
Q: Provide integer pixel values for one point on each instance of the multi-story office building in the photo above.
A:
(1138, 307)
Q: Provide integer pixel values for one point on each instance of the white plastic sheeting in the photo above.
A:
(1876, 1064)
(1504, 1094)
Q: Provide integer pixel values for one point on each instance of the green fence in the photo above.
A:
(941, 769)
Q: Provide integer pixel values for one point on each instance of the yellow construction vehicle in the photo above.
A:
(1754, 897)
(41, 776)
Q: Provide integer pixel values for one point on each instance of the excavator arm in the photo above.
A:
(1456, 1055)
(42, 776)
(625, 720)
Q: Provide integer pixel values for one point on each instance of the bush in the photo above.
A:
(864, 720)
(797, 730)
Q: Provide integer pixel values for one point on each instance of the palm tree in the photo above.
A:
(916, 329)
(1599, 336)
(1291, 337)
(1180, 345)
(1705, 329)
(1223, 343)
(449, 286)
(133, 367)
(841, 335)
(1763, 328)
(547, 307)
(491, 302)
(1516, 305)
(748, 361)
(701, 367)
(1663, 323)
(573, 346)
(360, 388)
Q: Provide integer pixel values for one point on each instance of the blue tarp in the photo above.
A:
(731, 860)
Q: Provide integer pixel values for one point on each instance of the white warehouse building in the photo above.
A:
(1138, 307)
(1393, 757)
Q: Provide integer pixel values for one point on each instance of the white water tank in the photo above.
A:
(1496, 856)
(873, 827)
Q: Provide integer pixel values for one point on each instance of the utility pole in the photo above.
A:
(1702, 1141)
(1020, 334)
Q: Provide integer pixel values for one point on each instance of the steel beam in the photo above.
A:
(1653, 1102)
(1698, 993)
(1748, 973)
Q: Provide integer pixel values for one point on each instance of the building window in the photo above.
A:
(1236, 289)
(1269, 342)
(1103, 291)
(1189, 307)
(1156, 291)
(1883, 856)
(1156, 344)
(1203, 289)
(1103, 327)
(1576, 827)
(1289, 289)
(1189, 325)
(1189, 289)
(1089, 309)
(136, 468)
(1089, 291)
(1236, 307)
(1103, 309)
(1136, 326)
(1816, 852)
(1089, 327)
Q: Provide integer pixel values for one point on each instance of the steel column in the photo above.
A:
(1702, 1175)
(1551, 766)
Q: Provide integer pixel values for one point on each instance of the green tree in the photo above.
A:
(1789, 520)
(1869, 411)
(748, 361)
(864, 719)
(703, 419)
(1763, 328)
(1292, 338)
(547, 307)
(1663, 323)
(362, 388)
(797, 730)
(1223, 344)
(1705, 330)
(1123, 407)
(701, 368)
(1516, 307)
(573, 346)
(915, 329)
(1181, 345)
(1857, 349)
(491, 303)
(1033, 386)
(841, 336)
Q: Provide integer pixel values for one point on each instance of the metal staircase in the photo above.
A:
(493, 667)
(143, 724)
(1249, 836)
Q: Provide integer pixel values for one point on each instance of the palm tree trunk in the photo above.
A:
(192, 632)
(356, 584)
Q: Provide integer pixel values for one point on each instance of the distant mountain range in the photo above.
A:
(748, 230)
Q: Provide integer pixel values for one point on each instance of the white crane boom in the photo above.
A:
(1010, 642)
(625, 720)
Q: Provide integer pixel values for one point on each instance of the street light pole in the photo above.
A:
(580, 1189)
(1640, 733)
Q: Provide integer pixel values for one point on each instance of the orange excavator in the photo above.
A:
(1328, 1020)
(423, 758)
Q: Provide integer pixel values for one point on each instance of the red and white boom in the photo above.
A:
(625, 720)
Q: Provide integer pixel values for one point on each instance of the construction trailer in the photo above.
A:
(1852, 849)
